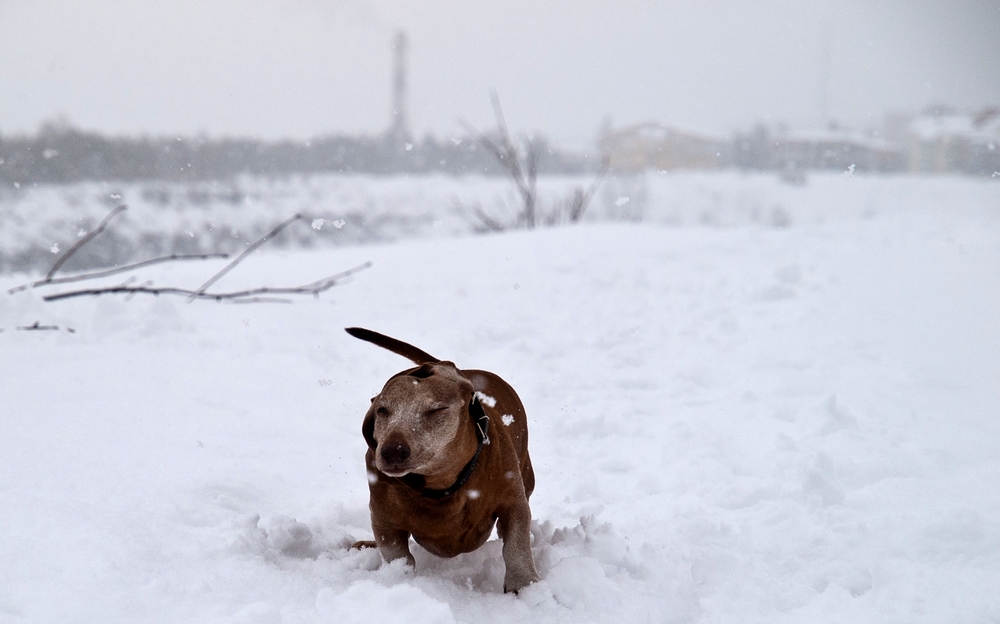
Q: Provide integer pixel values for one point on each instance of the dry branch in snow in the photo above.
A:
(251, 295)
(122, 269)
(83, 241)
(201, 290)
(315, 288)
(37, 326)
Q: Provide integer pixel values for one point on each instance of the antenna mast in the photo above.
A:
(399, 129)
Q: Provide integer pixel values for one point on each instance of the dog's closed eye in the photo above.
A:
(435, 411)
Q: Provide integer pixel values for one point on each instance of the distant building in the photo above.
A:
(654, 146)
(942, 140)
(938, 140)
(834, 149)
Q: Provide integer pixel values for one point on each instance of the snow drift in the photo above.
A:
(745, 423)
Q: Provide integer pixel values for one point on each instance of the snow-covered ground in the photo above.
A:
(787, 417)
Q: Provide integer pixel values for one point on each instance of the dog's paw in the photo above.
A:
(514, 583)
(363, 544)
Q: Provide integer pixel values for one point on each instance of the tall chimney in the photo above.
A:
(399, 129)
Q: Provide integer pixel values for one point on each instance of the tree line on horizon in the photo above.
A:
(59, 153)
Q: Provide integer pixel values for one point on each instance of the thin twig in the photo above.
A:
(314, 288)
(529, 198)
(83, 241)
(584, 200)
(323, 283)
(106, 272)
(513, 161)
(490, 223)
(36, 326)
(501, 120)
(146, 284)
(479, 219)
(507, 155)
(262, 300)
(201, 290)
(487, 143)
(117, 290)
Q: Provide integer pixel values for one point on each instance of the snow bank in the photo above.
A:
(734, 424)
(224, 217)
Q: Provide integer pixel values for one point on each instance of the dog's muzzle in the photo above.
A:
(395, 454)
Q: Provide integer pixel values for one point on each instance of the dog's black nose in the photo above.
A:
(395, 453)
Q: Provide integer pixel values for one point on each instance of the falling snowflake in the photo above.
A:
(486, 399)
(339, 223)
(507, 419)
(317, 224)
(621, 201)
(54, 248)
(409, 146)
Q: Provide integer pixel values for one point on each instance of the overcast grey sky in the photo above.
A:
(299, 68)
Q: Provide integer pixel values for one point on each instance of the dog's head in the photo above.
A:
(416, 418)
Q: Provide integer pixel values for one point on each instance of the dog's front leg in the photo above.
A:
(393, 544)
(514, 528)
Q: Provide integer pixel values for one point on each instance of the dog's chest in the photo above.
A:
(448, 539)
(446, 527)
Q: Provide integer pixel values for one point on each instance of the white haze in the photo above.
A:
(298, 68)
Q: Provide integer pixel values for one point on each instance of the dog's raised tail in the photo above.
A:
(399, 347)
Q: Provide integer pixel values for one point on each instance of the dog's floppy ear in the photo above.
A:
(368, 430)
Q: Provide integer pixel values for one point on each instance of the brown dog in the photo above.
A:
(447, 458)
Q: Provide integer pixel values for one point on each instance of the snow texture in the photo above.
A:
(733, 423)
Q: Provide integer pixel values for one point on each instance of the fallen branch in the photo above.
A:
(83, 241)
(263, 239)
(243, 296)
(261, 300)
(36, 326)
(79, 277)
(315, 288)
